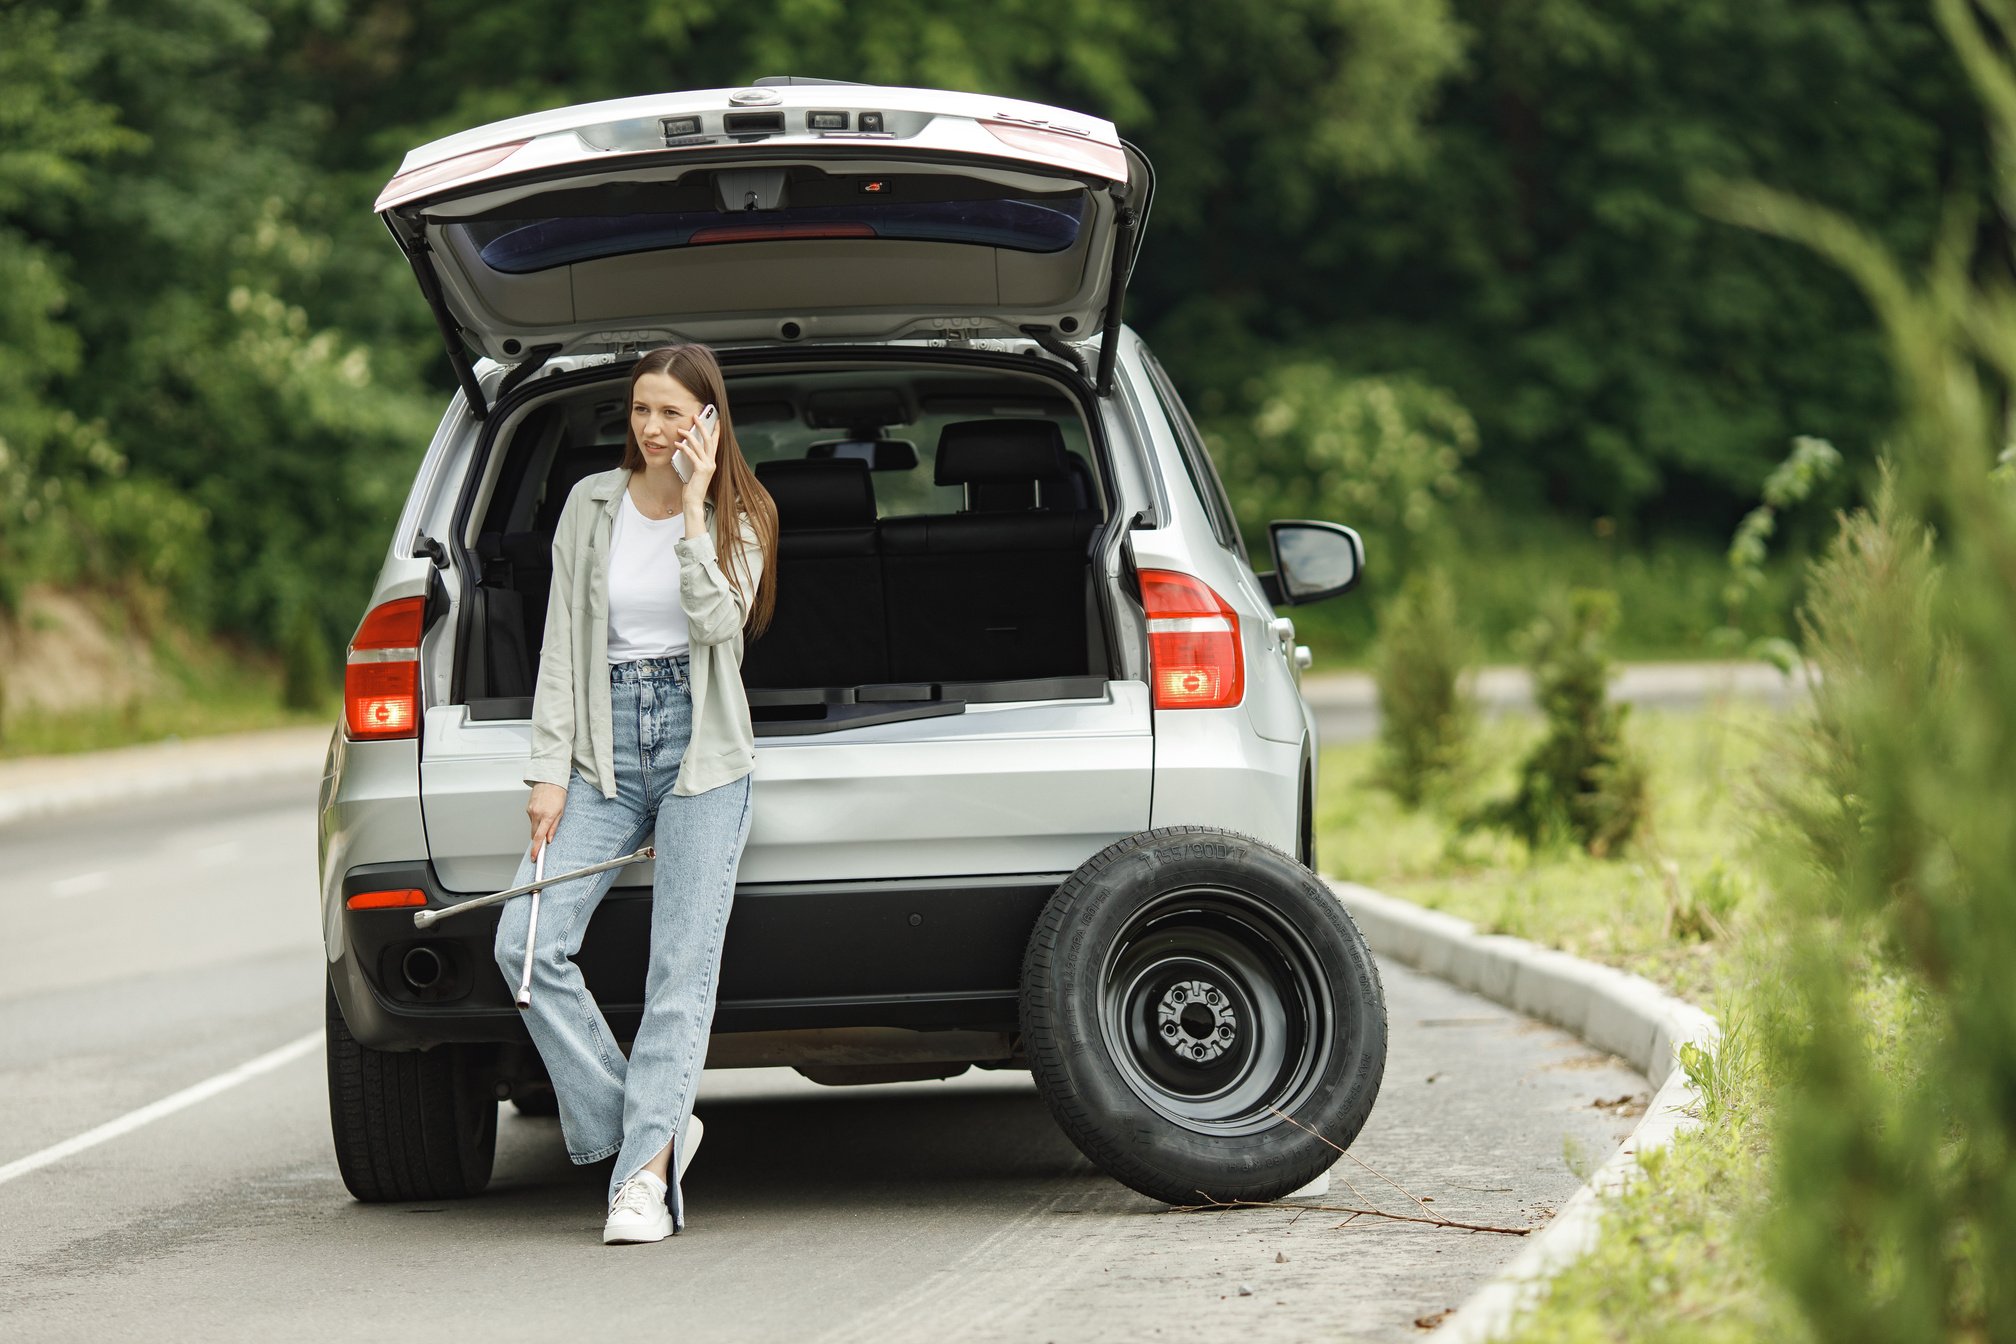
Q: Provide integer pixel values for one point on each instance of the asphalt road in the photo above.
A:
(151, 947)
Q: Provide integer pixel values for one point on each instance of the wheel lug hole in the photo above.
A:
(1196, 1022)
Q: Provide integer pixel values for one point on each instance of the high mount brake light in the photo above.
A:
(1193, 643)
(381, 674)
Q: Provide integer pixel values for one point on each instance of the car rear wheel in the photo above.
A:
(1203, 1017)
(413, 1124)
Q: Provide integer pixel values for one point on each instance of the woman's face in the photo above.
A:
(662, 409)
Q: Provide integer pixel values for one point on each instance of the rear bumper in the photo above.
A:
(799, 956)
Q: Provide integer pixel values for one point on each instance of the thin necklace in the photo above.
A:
(652, 512)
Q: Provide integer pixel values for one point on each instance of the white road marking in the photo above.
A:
(81, 885)
(167, 1106)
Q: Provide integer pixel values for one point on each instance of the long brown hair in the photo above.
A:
(734, 490)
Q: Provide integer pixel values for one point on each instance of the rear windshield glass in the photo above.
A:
(606, 223)
(905, 492)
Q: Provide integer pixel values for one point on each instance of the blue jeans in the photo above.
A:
(609, 1104)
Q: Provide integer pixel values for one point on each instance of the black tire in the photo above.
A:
(412, 1124)
(1132, 946)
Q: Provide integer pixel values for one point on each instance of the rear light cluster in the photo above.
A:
(381, 675)
(1193, 643)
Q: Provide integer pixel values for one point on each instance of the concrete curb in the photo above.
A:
(37, 788)
(1620, 1014)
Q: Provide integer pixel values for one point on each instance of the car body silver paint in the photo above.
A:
(370, 814)
(925, 797)
(1010, 788)
(1032, 788)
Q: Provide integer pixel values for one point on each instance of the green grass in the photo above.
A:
(1683, 1258)
(1671, 909)
(206, 690)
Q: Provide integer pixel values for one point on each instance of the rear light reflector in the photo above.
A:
(1193, 643)
(386, 900)
(381, 674)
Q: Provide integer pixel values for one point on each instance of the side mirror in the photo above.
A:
(1312, 561)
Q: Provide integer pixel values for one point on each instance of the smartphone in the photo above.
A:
(680, 462)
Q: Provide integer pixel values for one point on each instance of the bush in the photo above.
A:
(1384, 454)
(1870, 601)
(1581, 782)
(1896, 1182)
(1811, 464)
(1426, 715)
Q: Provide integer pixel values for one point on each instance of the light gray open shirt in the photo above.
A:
(570, 706)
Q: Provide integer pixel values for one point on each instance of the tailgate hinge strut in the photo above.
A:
(1128, 220)
(416, 251)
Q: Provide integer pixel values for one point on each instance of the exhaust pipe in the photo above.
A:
(422, 968)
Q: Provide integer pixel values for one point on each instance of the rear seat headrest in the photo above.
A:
(834, 492)
(982, 452)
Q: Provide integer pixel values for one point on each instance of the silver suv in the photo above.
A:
(1033, 771)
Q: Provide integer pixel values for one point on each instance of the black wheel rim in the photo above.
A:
(1216, 1011)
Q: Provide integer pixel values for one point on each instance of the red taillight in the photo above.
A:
(1193, 643)
(386, 900)
(381, 676)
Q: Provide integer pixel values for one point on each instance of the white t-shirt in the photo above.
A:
(645, 618)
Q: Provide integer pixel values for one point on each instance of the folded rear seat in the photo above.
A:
(993, 596)
(828, 626)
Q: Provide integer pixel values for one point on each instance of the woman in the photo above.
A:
(640, 729)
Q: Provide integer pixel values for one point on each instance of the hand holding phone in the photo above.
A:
(702, 426)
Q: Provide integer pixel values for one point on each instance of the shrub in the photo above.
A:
(1896, 1143)
(308, 668)
(1383, 454)
(1581, 782)
(1810, 465)
(1426, 715)
(1870, 600)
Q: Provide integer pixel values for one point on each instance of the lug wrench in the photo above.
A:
(427, 918)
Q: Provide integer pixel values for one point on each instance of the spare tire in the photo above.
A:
(1201, 1015)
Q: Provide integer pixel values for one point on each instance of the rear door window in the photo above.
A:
(1197, 462)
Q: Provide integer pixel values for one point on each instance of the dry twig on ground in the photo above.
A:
(1427, 1216)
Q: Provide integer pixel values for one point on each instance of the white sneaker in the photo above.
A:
(695, 1131)
(638, 1213)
